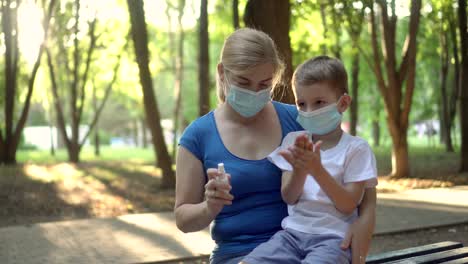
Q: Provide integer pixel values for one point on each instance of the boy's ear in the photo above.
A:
(344, 103)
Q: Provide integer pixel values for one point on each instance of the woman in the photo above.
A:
(246, 126)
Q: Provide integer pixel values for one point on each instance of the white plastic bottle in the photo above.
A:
(222, 171)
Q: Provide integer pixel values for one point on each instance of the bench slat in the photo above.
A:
(412, 252)
(434, 258)
(457, 261)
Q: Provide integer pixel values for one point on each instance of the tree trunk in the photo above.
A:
(235, 13)
(203, 61)
(445, 125)
(278, 29)
(400, 157)
(397, 100)
(354, 92)
(376, 133)
(463, 85)
(179, 74)
(9, 29)
(97, 149)
(52, 145)
(323, 17)
(74, 153)
(140, 41)
(144, 132)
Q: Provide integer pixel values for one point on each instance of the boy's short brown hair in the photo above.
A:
(322, 69)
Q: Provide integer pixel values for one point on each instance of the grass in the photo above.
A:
(138, 155)
(124, 180)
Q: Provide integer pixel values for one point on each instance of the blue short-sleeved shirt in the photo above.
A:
(257, 210)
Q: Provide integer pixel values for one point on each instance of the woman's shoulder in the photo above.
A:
(287, 114)
(200, 124)
(289, 108)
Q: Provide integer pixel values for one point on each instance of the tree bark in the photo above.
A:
(9, 142)
(278, 29)
(203, 61)
(323, 17)
(235, 14)
(397, 102)
(445, 124)
(354, 92)
(179, 74)
(97, 147)
(463, 85)
(140, 41)
(376, 133)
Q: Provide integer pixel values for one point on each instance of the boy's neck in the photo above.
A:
(329, 140)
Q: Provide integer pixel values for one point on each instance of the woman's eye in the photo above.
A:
(301, 104)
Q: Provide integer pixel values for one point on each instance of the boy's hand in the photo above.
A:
(307, 155)
(299, 168)
(304, 156)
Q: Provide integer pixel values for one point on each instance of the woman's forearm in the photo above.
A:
(368, 206)
(193, 217)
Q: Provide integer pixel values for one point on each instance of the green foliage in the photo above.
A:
(125, 108)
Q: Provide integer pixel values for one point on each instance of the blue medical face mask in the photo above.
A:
(321, 121)
(247, 103)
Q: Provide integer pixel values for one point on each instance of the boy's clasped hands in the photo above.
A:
(304, 156)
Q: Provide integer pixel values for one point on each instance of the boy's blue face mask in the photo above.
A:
(321, 121)
(247, 103)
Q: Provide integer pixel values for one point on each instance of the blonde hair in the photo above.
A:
(245, 49)
(322, 69)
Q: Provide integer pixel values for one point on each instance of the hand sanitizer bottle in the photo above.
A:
(222, 171)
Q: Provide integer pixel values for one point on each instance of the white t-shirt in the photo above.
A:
(351, 160)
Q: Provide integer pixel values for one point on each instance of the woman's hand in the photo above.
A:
(217, 192)
(359, 234)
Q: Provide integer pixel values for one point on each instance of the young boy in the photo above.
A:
(323, 179)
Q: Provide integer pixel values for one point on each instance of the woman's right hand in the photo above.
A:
(217, 192)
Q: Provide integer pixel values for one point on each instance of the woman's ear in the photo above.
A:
(220, 69)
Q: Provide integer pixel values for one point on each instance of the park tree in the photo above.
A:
(140, 40)
(11, 82)
(70, 71)
(178, 63)
(354, 20)
(331, 13)
(203, 60)
(395, 82)
(276, 25)
(445, 21)
(462, 23)
(235, 14)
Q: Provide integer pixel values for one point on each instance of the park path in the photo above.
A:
(154, 237)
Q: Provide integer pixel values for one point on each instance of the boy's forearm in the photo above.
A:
(345, 200)
(292, 187)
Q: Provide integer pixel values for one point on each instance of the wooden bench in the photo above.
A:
(447, 252)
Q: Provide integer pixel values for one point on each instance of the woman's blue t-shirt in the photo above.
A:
(257, 209)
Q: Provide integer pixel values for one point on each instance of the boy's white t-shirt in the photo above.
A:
(351, 160)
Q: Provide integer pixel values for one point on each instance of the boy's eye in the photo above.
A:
(300, 104)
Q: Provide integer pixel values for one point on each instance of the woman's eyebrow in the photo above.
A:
(266, 80)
